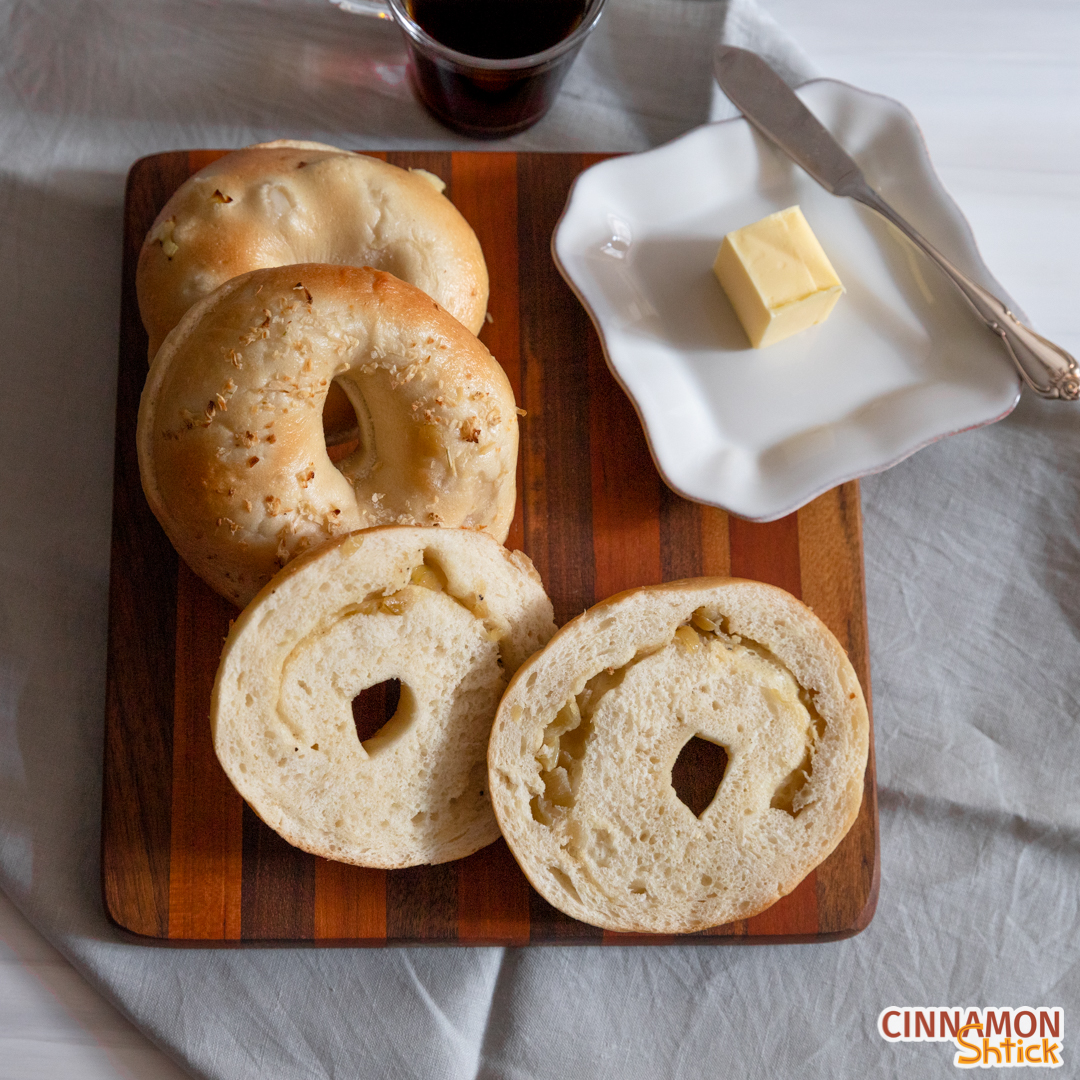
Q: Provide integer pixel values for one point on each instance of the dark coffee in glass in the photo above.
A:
(497, 29)
(490, 68)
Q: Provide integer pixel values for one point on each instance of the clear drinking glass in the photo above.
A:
(488, 98)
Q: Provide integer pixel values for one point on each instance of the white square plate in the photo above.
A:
(901, 362)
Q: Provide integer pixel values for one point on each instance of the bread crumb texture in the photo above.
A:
(450, 614)
(586, 737)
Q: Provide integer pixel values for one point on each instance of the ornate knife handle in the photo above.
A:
(1049, 370)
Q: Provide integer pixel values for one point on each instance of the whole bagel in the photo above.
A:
(231, 448)
(447, 612)
(589, 729)
(303, 202)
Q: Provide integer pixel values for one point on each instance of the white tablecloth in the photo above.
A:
(972, 555)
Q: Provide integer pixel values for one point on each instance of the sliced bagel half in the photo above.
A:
(448, 613)
(590, 728)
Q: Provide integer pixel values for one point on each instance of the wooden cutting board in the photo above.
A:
(185, 861)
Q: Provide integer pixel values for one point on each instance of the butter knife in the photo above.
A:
(774, 109)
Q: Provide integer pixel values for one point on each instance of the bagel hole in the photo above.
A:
(373, 710)
(698, 773)
(341, 430)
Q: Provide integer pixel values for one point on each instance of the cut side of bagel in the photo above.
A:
(290, 202)
(448, 613)
(590, 728)
(232, 452)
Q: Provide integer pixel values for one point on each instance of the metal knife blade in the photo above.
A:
(772, 107)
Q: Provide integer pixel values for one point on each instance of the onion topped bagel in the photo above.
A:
(302, 202)
(589, 730)
(448, 613)
(231, 448)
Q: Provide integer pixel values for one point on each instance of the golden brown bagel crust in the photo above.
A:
(582, 749)
(447, 612)
(231, 447)
(302, 202)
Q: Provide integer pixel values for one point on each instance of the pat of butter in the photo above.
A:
(776, 276)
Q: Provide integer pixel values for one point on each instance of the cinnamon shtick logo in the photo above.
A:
(984, 1038)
